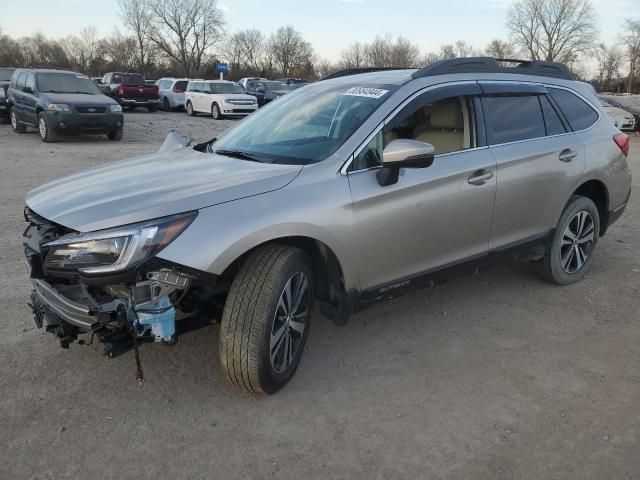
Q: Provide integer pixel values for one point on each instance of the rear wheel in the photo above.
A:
(266, 317)
(190, 110)
(44, 129)
(569, 257)
(166, 105)
(17, 127)
(215, 112)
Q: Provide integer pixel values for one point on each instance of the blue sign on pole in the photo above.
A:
(223, 67)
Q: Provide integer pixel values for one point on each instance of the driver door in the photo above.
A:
(432, 217)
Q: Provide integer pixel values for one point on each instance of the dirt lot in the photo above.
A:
(487, 377)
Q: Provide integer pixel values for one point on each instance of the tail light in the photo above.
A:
(178, 90)
(623, 141)
(120, 90)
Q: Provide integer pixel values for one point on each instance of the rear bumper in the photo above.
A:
(63, 122)
(136, 102)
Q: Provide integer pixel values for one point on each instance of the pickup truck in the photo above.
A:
(130, 90)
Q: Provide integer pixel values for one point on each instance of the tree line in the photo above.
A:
(187, 37)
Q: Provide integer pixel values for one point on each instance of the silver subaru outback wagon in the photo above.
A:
(345, 192)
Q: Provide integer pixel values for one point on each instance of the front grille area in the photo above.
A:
(90, 109)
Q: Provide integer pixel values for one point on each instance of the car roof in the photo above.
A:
(391, 77)
(50, 70)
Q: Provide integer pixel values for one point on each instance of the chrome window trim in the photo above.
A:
(345, 168)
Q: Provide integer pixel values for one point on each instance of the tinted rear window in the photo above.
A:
(513, 118)
(576, 111)
(181, 84)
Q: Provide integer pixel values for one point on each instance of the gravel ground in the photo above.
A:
(491, 376)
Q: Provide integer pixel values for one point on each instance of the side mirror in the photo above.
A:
(27, 90)
(260, 90)
(403, 153)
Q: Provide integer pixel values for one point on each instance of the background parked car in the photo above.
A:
(130, 90)
(61, 102)
(244, 81)
(219, 98)
(620, 118)
(266, 90)
(171, 92)
(5, 77)
(629, 103)
(290, 80)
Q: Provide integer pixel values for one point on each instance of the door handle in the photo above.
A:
(567, 155)
(479, 177)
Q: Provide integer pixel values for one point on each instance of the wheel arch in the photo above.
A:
(596, 191)
(327, 269)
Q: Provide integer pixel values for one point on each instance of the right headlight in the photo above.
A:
(115, 249)
(115, 108)
(58, 107)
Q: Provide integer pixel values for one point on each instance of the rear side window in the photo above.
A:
(512, 118)
(551, 119)
(579, 115)
(22, 78)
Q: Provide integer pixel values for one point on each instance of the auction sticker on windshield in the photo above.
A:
(366, 92)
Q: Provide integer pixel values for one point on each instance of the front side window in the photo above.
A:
(66, 83)
(447, 124)
(512, 118)
(579, 115)
(305, 126)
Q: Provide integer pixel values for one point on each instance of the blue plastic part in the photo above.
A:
(163, 325)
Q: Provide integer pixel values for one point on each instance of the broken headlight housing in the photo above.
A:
(115, 249)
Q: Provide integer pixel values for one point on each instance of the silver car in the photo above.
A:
(171, 92)
(346, 192)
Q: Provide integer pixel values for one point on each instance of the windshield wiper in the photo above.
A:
(239, 154)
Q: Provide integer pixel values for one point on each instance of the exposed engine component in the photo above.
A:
(159, 317)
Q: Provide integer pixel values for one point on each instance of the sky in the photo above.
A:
(330, 25)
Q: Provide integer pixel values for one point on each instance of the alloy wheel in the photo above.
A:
(289, 323)
(42, 127)
(14, 121)
(577, 242)
(215, 111)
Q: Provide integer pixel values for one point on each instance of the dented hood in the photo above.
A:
(153, 186)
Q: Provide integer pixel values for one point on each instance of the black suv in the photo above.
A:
(61, 102)
(5, 77)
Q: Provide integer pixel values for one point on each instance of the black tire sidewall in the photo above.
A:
(167, 106)
(270, 381)
(577, 204)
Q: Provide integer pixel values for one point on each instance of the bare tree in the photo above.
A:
(500, 49)
(324, 67)
(291, 52)
(553, 30)
(404, 53)
(378, 53)
(252, 45)
(630, 39)
(185, 30)
(353, 56)
(609, 63)
(137, 17)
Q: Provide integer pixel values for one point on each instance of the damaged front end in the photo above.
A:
(110, 284)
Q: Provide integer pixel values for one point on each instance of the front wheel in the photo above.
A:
(44, 129)
(265, 322)
(115, 134)
(215, 112)
(569, 257)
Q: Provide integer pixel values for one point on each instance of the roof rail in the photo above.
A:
(495, 65)
(355, 71)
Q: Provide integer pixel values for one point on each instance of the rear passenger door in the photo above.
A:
(538, 161)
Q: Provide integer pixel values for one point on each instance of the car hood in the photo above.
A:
(79, 98)
(617, 112)
(153, 186)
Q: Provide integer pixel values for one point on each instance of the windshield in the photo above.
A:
(225, 88)
(275, 85)
(66, 83)
(5, 74)
(305, 126)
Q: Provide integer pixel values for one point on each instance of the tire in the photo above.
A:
(165, 105)
(255, 310)
(190, 110)
(17, 127)
(115, 134)
(569, 257)
(215, 112)
(152, 108)
(47, 134)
